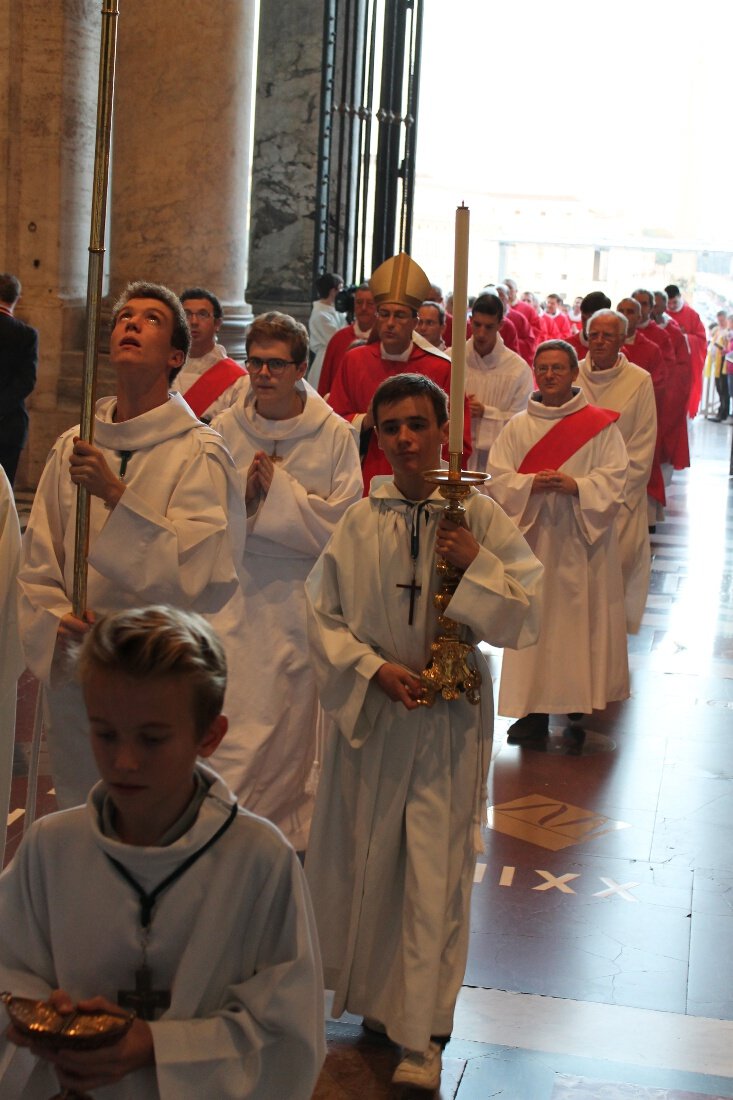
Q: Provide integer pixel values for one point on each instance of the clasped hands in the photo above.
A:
(552, 481)
(259, 479)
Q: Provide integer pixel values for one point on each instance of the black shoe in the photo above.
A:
(575, 716)
(531, 728)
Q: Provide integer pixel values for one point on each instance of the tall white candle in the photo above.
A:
(460, 312)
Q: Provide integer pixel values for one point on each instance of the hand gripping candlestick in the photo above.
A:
(452, 671)
(105, 94)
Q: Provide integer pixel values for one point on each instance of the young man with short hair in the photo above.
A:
(403, 789)
(324, 321)
(166, 518)
(299, 467)
(498, 381)
(210, 381)
(163, 895)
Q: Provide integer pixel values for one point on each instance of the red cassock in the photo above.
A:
(361, 372)
(679, 395)
(693, 328)
(547, 327)
(336, 349)
(509, 335)
(525, 337)
(575, 342)
(448, 332)
(533, 320)
(562, 326)
(644, 353)
(665, 422)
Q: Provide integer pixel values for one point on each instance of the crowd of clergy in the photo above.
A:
(283, 508)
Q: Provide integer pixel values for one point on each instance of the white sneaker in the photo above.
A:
(421, 1069)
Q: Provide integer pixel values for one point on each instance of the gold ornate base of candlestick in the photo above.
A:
(452, 670)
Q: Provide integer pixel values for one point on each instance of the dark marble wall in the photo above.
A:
(285, 152)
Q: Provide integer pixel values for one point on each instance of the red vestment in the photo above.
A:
(697, 341)
(647, 355)
(361, 372)
(509, 335)
(581, 350)
(565, 438)
(525, 336)
(561, 324)
(209, 386)
(533, 320)
(448, 333)
(336, 349)
(547, 327)
(678, 393)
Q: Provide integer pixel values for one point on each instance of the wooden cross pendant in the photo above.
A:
(143, 999)
(274, 455)
(415, 590)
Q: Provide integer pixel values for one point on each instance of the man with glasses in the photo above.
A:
(210, 381)
(299, 466)
(399, 287)
(559, 470)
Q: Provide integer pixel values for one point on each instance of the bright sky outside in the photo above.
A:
(624, 110)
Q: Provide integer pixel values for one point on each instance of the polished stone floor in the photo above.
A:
(601, 957)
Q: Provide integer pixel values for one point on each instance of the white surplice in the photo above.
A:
(391, 856)
(272, 703)
(628, 390)
(503, 382)
(580, 660)
(233, 941)
(192, 371)
(323, 323)
(173, 538)
(11, 655)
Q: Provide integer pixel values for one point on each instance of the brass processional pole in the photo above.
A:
(452, 670)
(105, 96)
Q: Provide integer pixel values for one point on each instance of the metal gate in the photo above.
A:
(366, 177)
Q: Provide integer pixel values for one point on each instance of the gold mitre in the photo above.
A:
(399, 279)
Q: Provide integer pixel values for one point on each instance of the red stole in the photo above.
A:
(212, 384)
(566, 437)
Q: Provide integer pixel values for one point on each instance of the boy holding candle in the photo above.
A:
(392, 848)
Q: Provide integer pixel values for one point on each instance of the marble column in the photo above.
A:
(285, 161)
(49, 55)
(181, 150)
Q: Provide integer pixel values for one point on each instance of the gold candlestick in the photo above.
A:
(451, 670)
